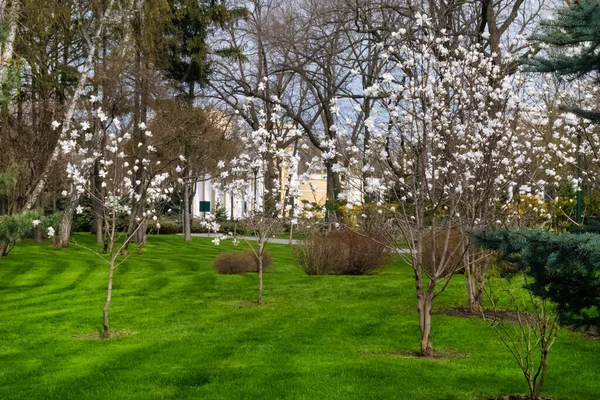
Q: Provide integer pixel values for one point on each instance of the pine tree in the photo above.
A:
(573, 38)
(188, 57)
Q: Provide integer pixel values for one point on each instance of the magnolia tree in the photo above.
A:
(262, 149)
(117, 173)
(447, 149)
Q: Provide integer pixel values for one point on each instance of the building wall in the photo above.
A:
(312, 190)
(241, 204)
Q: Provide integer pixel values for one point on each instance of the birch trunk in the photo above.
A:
(7, 48)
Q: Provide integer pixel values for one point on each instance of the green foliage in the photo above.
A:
(82, 222)
(575, 44)
(193, 21)
(565, 267)
(18, 226)
(220, 213)
(8, 180)
(9, 86)
(167, 227)
(14, 227)
(231, 226)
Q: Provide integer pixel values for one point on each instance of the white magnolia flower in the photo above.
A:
(79, 209)
(55, 124)
(51, 231)
(36, 222)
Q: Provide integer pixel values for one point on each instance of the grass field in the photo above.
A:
(195, 334)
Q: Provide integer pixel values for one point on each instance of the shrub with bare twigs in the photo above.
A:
(344, 252)
(240, 262)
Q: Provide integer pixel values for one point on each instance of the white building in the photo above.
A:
(210, 195)
(239, 205)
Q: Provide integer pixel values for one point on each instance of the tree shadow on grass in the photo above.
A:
(98, 335)
(437, 355)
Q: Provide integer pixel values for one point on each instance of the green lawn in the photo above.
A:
(196, 335)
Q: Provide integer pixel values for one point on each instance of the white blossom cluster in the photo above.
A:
(455, 133)
(127, 180)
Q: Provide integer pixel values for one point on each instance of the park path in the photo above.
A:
(272, 240)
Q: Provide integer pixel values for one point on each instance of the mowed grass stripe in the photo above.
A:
(195, 335)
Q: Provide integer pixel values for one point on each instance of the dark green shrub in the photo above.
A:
(230, 226)
(197, 227)
(240, 262)
(167, 227)
(342, 252)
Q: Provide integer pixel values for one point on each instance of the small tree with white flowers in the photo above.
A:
(117, 174)
(240, 175)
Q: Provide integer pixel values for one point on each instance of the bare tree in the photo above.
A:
(529, 338)
(202, 136)
(263, 227)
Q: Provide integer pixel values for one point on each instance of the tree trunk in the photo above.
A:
(99, 223)
(260, 272)
(476, 266)
(7, 53)
(97, 201)
(187, 223)
(106, 331)
(424, 300)
(64, 231)
(4, 248)
(334, 189)
(38, 234)
(270, 192)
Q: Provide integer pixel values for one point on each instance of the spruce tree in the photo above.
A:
(573, 39)
(565, 268)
